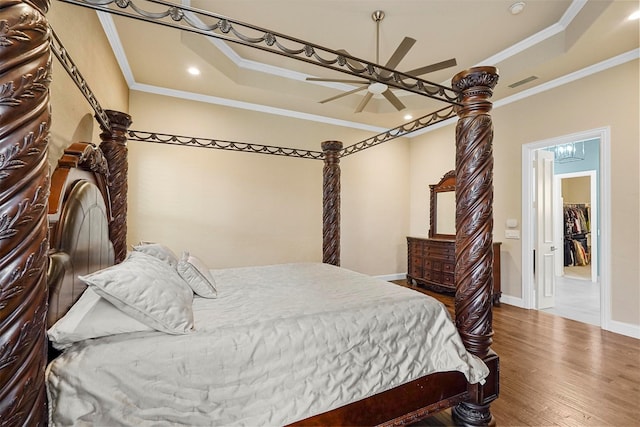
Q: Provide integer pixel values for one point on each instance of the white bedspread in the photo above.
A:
(279, 344)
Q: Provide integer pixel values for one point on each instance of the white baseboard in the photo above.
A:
(508, 299)
(622, 328)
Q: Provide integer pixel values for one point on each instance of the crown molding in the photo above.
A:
(192, 96)
(113, 37)
(560, 81)
(571, 77)
(572, 11)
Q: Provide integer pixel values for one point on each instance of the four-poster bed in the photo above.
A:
(25, 241)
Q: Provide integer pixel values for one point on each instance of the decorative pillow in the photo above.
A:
(91, 317)
(147, 289)
(197, 275)
(159, 251)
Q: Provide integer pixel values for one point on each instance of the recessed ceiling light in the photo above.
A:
(408, 117)
(193, 71)
(516, 8)
(634, 15)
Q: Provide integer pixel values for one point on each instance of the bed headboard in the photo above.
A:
(79, 218)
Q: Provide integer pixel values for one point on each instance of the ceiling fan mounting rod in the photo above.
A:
(377, 16)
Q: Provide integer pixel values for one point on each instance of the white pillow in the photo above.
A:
(159, 251)
(91, 317)
(147, 289)
(197, 275)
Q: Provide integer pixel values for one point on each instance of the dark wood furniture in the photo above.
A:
(25, 184)
(432, 265)
(431, 262)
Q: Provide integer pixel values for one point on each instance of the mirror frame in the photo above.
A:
(447, 183)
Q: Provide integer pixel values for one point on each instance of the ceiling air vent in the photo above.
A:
(523, 81)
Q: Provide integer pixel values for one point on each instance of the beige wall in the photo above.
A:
(609, 98)
(375, 196)
(71, 115)
(237, 209)
(431, 156)
(576, 190)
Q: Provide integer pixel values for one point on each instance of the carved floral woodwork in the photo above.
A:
(474, 230)
(114, 147)
(25, 75)
(331, 203)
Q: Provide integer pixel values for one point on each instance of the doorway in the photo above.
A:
(601, 205)
(577, 220)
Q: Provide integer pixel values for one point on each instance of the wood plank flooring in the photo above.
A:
(559, 372)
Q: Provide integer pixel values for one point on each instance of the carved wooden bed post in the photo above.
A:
(331, 203)
(114, 147)
(474, 234)
(25, 70)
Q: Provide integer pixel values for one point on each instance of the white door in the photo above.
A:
(544, 236)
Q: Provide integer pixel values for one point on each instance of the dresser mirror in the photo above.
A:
(443, 207)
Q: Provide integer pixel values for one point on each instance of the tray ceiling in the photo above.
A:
(549, 40)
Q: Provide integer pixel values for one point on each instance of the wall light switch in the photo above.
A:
(512, 234)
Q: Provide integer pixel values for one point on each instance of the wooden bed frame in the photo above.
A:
(24, 236)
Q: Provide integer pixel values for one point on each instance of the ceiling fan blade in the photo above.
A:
(400, 52)
(319, 79)
(364, 102)
(393, 99)
(344, 94)
(433, 67)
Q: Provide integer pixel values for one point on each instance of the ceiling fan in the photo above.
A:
(377, 88)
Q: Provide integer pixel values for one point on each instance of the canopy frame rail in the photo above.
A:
(402, 130)
(67, 63)
(246, 147)
(187, 18)
(249, 147)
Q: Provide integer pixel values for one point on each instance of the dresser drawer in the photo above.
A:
(444, 255)
(433, 263)
(448, 279)
(436, 276)
(415, 270)
(449, 267)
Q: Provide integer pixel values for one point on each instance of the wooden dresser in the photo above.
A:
(432, 264)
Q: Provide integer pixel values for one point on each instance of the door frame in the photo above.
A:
(595, 240)
(604, 209)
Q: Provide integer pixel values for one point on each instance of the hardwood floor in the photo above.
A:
(559, 372)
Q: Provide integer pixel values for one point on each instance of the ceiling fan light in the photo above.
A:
(377, 88)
